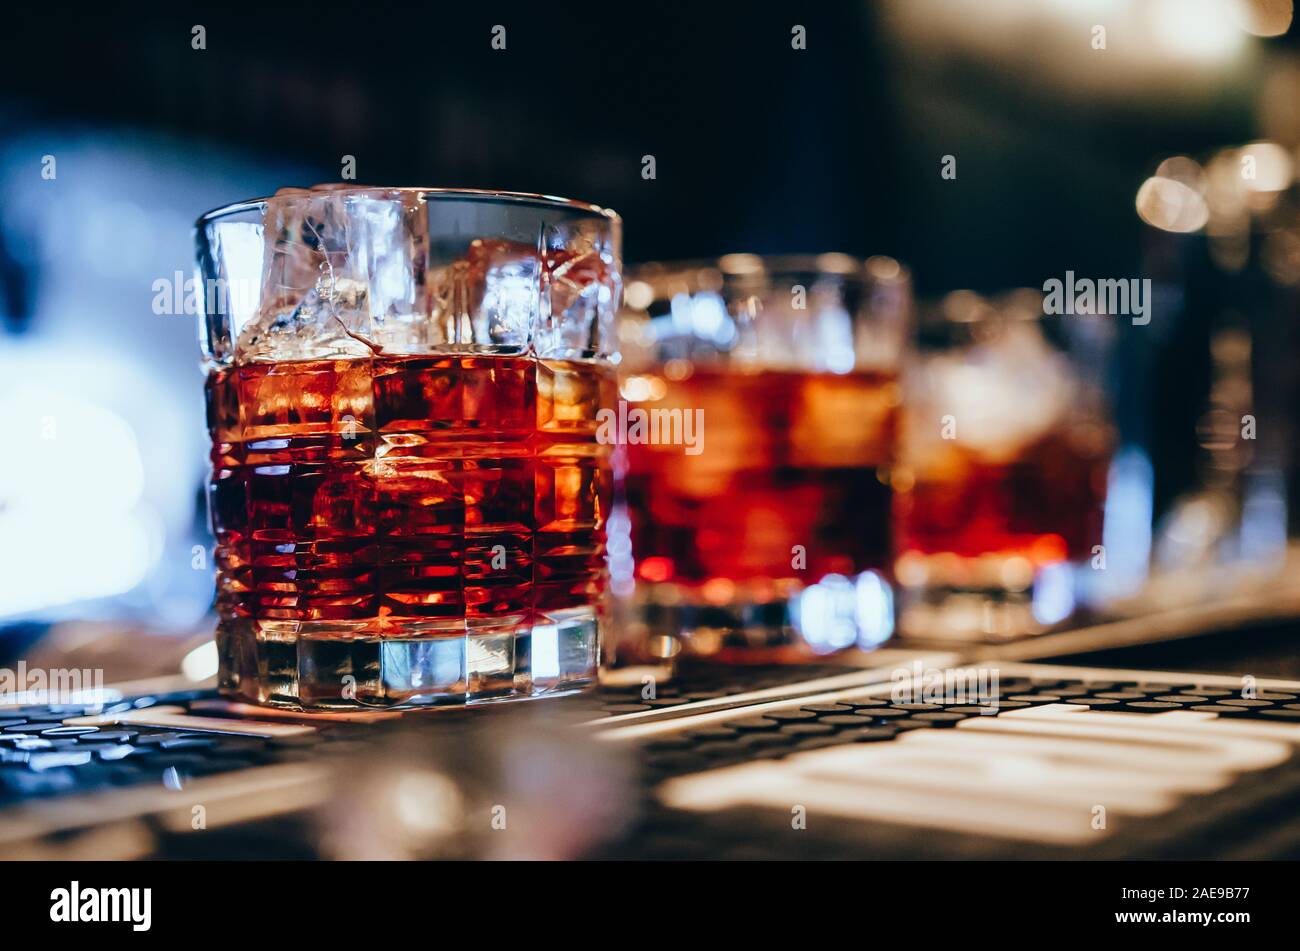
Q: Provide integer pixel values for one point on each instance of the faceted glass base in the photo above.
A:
(334, 666)
(772, 623)
(964, 605)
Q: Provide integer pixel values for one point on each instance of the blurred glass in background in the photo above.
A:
(1003, 463)
(766, 394)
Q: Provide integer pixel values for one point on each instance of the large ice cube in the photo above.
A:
(583, 287)
(342, 276)
(1003, 393)
(487, 297)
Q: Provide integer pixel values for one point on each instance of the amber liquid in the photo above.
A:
(791, 485)
(404, 496)
(1044, 504)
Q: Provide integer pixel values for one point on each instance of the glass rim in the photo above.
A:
(533, 199)
(748, 274)
(965, 306)
(747, 265)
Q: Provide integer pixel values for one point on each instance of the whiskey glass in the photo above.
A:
(1004, 452)
(407, 493)
(762, 535)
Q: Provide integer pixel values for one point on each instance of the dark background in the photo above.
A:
(758, 146)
